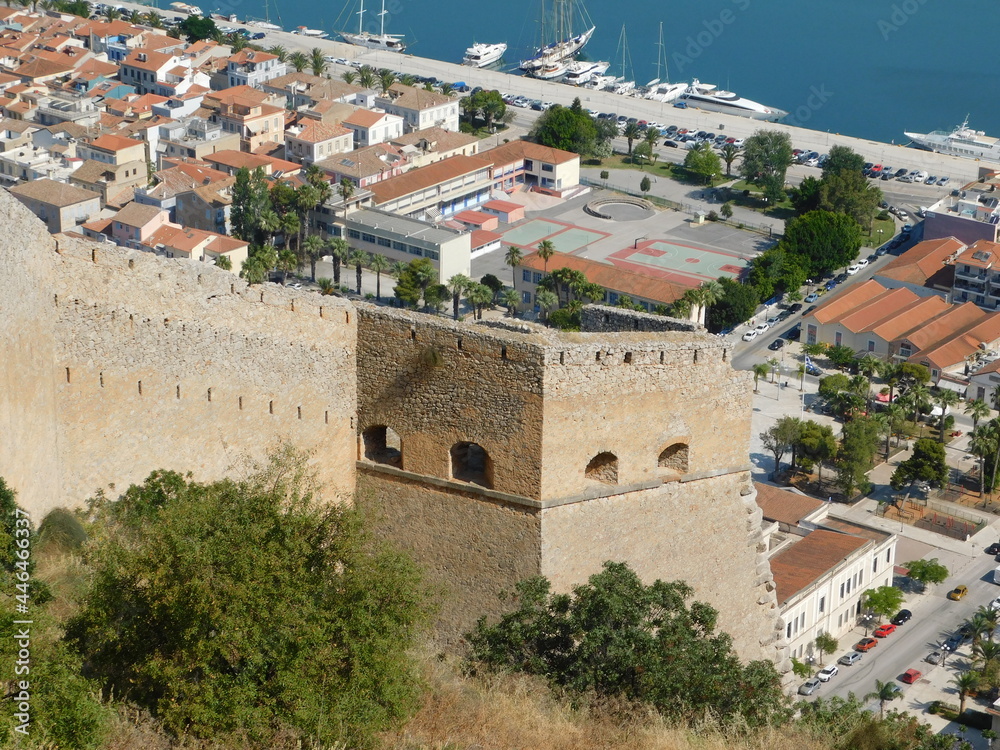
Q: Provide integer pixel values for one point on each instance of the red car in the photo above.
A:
(883, 630)
(865, 644)
(910, 676)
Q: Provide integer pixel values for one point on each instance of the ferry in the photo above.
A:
(707, 97)
(391, 42)
(483, 55)
(578, 72)
(962, 141)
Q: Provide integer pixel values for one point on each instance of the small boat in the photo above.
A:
(620, 86)
(391, 42)
(550, 71)
(313, 33)
(578, 73)
(482, 55)
(599, 82)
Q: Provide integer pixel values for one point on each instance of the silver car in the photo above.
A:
(809, 687)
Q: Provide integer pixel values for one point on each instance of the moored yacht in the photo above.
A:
(709, 98)
(314, 33)
(962, 141)
(579, 72)
(566, 44)
(391, 42)
(550, 71)
(481, 55)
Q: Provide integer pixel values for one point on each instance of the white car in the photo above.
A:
(750, 335)
(761, 327)
(851, 270)
(995, 604)
(826, 673)
(862, 263)
(738, 143)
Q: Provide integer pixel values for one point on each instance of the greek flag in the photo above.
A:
(808, 362)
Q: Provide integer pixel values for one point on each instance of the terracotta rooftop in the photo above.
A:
(924, 263)
(364, 118)
(111, 142)
(41, 68)
(636, 285)
(811, 558)
(506, 153)
(54, 193)
(412, 97)
(910, 317)
(426, 177)
(880, 308)
(785, 506)
(840, 304)
(954, 320)
(436, 139)
(481, 238)
(502, 206)
(982, 254)
(958, 347)
(147, 59)
(364, 162)
(315, 132)
(137, 214)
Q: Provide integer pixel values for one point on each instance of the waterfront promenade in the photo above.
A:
(958, 169)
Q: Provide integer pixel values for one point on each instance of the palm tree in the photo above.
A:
(801, 372)
(729, 152)
(479, 295)
(112, 14)
(314, 247)
(357, 258)
(290, 226)
(326, 286)
(345, 189)
(154, 20)
(545, 251)
(457, 285)
(946, 398)
(983, 443)
(349, 77)
(280, 52)
(546, 300)
(386, 78)
(991, 618)
(868, 365)
(306, 199)
(317, 62)
(510, 299)
(367, 77)
(967, 682)
(299, 61)
(339, 250)
(977, 409)
(254, 271)
(513, 259)
(379, 264)
(919, 399)
(408, 79)
(895, 416)
(884, 692)
(632, 132)
(760, 370)
(236, 41)
(681, 308)
(447, 89)
(269, 224)
(709, 293)
(287, 263)
(224, 262)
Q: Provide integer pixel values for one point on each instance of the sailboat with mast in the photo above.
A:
(391, 42)
(660, 89)
(621, 85)
(549, 61)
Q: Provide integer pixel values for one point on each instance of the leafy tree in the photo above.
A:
(831, 385)
(198, 27)
(566, 129)
(767, 154)
(801, 669)
(776, 269)
(824, 240)
(856, 456)
(726, 210)
(850, 193)
(413, 281)
(203, 650)
(251, 201)
(884, 601)
(494, 284)
(884, 693)
(704, 162)
(737, 303)
(775, 440)
(617, 637)
(927, 464)
(436, 296)
(805, 197)
(843, 159)
(817, 443)
(645, 184)
(840, 355)
(825, 644)
(927, 571)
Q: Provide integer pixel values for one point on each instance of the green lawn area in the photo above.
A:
(754, 201)
(623, 161)
(888, 227)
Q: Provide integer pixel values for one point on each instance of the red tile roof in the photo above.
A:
(785, 506)
(809, 559)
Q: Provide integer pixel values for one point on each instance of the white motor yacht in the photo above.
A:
(482, 55)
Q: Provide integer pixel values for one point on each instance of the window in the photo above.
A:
(383, 445)
(848, 585)
(397, 245)
(888, 552)
(613, 298)
(432, 254)
(414, 250)
(603, 468)
(875, 565)
(841, 590)
(525, 275)
(822, 604)
(354, 234)
(788, 630)
(384, 242)
(471, 463)
(547, 168)
(366, 237)
(838, 338)
(871, 345)
(526, 298)
(536, 277)
(674, 458)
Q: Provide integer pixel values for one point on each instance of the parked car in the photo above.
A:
(995, 604)
(902, 616)
(942, 181)
(952, 643)
(865, 644)
(884, 630)
(849, 660)
(958, 593)
(827, 673)
(795, 308)
(761, 327)
(934, 657)
(910, 676)
(813, 370)
(812, 297)
(776, 344)
(993, 549)
(750, 335)
(851, 270)
(794, 333)
(809, 687)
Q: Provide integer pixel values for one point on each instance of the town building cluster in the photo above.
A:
(125, 134)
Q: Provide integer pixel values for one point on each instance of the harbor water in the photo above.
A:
(866, 68)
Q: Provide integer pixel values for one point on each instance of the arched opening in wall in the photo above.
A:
(674, 458)
(603, 468)
(471, 463)
(383, 446)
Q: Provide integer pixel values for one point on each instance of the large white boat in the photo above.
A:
(579, 72)
(313, 33)
(707, 97)
(962, 141)
(565, 44)
(482, 55)
(381, 40)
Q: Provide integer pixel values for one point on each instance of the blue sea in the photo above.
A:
(866, 68)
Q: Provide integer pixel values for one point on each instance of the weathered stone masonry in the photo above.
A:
(491, 453)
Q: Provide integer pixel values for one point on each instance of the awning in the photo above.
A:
(951, 385)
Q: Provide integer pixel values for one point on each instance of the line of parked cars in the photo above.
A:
(862, 647)
(677, 137)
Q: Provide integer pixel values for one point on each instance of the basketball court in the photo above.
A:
(679, 262)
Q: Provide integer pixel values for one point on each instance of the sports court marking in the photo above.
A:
(678, 262)
(566, 238)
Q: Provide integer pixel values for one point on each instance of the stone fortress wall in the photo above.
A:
(491, 453)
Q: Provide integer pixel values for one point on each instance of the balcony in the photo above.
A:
(972, 273)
